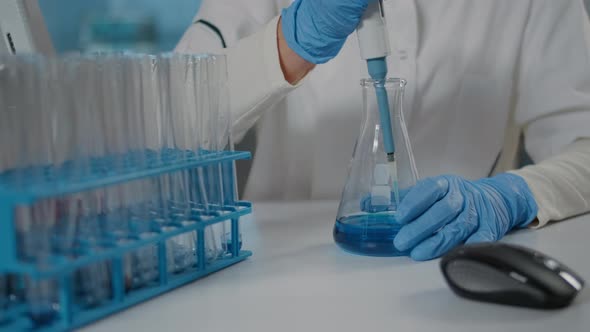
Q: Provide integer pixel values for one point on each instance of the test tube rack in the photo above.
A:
(57, 183)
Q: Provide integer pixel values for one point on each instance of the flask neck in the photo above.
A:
(394, 90)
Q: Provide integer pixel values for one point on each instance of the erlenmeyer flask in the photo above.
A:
(366, 217)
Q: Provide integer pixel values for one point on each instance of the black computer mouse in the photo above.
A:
(509, 274)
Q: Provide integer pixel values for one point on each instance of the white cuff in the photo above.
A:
(561, 185)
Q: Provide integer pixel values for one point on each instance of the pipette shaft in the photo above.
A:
(374, 46)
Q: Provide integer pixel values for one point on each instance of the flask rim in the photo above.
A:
(368, 82)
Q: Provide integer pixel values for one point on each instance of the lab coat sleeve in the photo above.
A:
(561, 184)
(256, 80)
(553, 107)
(553, 88)
(223, 23)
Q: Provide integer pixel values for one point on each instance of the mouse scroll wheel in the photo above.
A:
(551, 264)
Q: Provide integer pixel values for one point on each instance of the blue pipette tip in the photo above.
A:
(378, 71)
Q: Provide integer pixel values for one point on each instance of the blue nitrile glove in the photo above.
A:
(317, 29)
(442, 212)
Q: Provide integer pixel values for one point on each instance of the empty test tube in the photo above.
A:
(141, 266)
(200, 142)
(221, 122)
(181, 249)
(92, 283)
(154, 87)
(59, 108)
(182, 87)
(36, 223)
(115, 222)
(67, 135)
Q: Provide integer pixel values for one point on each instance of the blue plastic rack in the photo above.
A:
(49, 182)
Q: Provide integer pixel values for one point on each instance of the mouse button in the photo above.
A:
(572, 280)
(476, 277)
(546, 261)
(568, 274)
(547, 275)
(527, 263)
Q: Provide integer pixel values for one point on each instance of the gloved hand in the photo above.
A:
(442, 212)
(317, 29)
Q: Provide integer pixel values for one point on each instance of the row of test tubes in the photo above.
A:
(64, 120)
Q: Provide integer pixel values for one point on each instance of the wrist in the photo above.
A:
(294, 67)
(303, 37)
(517, 196)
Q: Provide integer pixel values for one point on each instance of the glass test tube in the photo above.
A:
(181, 248)
(184, 114)
(67, 135)
(92, 283)
(144, 267)
(38, 154)
(207, 138)
(221, 120)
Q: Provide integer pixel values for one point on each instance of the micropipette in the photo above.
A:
(374, 46)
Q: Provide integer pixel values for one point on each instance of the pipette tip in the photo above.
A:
(391, 157)
(394, 177)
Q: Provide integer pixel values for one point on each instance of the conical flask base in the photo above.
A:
(370, 235)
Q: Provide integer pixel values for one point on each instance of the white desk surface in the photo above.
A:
(299, 280)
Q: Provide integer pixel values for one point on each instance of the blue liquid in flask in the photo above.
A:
(368, 234)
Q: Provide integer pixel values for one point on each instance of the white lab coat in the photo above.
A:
(479, 74)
